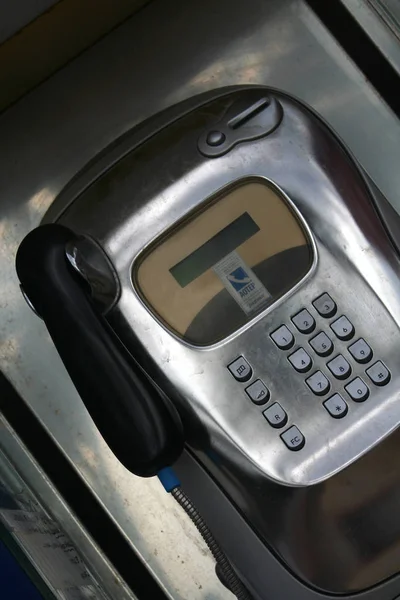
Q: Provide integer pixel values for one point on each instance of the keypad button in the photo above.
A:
(357, 390)
(258, 392)
(360, 351)
(304, 321)
(325, 306)
(301, 360)
(339, 367)
(240, 369)
(378, 373)
(275, 415)
(322, 344)
(283, 338)
(293, 438)
(318, 383)
(343, 328)
(336, 406)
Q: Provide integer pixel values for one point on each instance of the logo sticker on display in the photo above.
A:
(239, 279)
(242, 283)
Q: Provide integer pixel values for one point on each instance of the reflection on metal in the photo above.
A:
(52, 133)
(380, 19)
(249, 462)
(43, 531)
(389, 11)
(67, 27)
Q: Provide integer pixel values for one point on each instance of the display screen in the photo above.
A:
(225, 263)
(221, 244)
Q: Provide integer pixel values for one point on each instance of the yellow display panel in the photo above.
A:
(224, 264)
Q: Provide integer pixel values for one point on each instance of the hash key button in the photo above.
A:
(300, 360)
(378, 373)
(293, 438)
(258, 392)
(240, 369)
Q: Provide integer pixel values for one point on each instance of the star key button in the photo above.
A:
(336, 406)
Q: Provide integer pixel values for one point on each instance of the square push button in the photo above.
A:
(275, 415)
(339, 367)
(322, 344)
(336, 406)
(357, 390)
(325, 306)
(283, 338)
(360, 351)
(378, 373)
(300, 360)
(318, 383)
(293, 438)
(240, 369)
(304, 321)
(258, 392)
(343, 328)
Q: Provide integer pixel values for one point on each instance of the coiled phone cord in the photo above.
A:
(172, 485)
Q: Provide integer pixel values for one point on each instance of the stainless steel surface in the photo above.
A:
(353, 254)
(389, 10)
(52, 507)
(268, 574)
(380, 19)
(52, 133)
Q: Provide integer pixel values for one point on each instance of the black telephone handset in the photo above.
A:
(138, 422)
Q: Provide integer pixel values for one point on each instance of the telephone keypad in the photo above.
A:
(318, 383)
